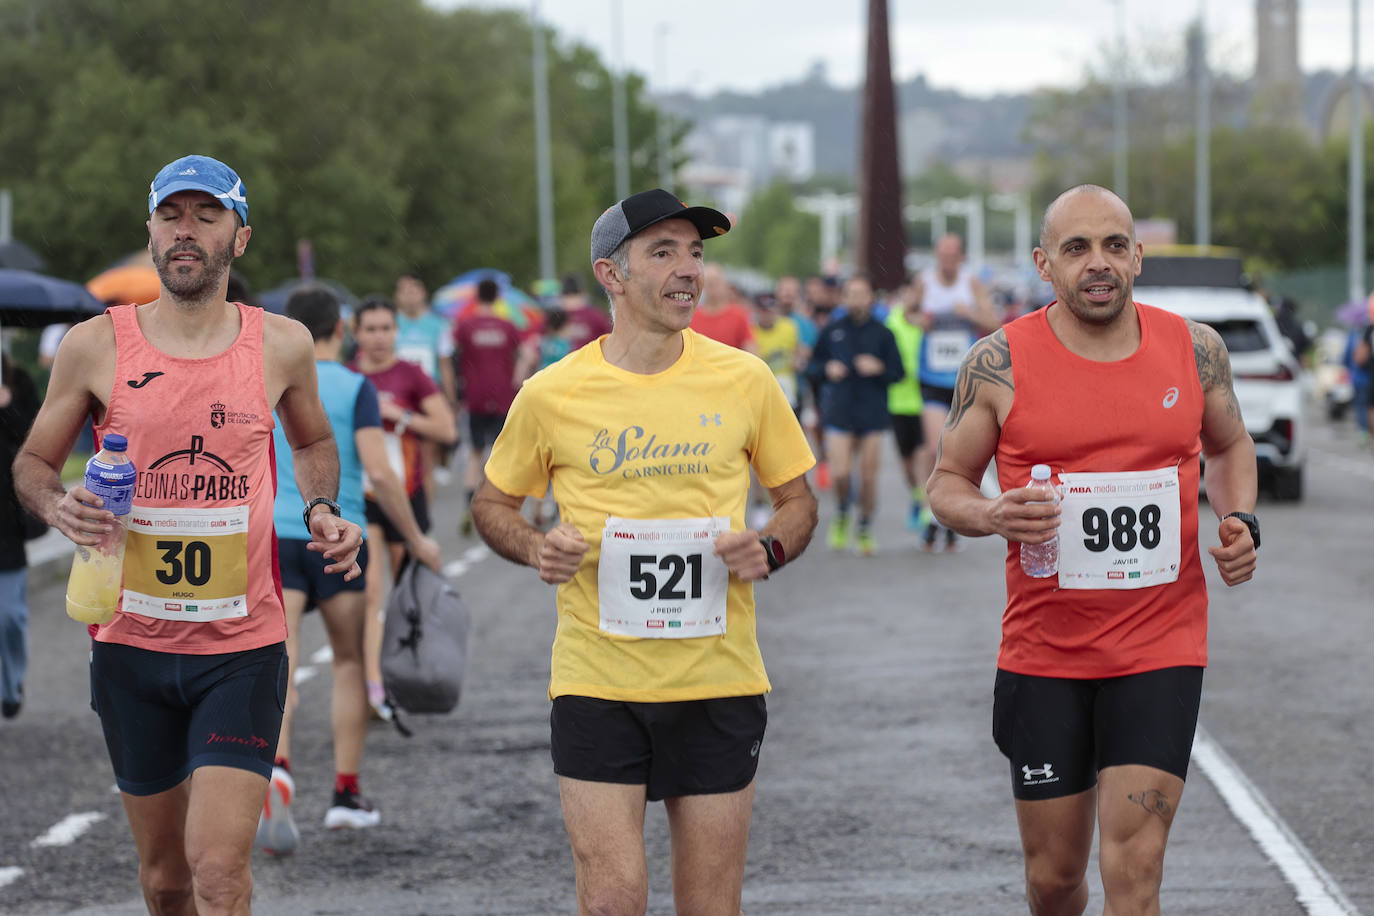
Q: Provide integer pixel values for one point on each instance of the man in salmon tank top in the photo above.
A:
(1099, 674)
(191, 380)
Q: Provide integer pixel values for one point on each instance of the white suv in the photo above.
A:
(1267, 374)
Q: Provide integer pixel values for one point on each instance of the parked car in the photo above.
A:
(1267, 375)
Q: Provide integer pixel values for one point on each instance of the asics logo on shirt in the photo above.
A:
(147, 377)
(1170, 398)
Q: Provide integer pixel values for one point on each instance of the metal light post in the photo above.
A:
(1119, 175)
(620, 118)
(1356, 256)
(543, 163)
(1202, 168)
(665, 159)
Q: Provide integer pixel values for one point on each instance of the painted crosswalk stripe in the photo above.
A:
(65, 831)
(9, 874)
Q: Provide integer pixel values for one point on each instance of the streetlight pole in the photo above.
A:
(1119, 175)
(620, 118)
(1356, 191)
(665, 159)
(543, 162)
(1202, 167)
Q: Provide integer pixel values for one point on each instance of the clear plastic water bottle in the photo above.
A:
(93, 588)
(1041, 561)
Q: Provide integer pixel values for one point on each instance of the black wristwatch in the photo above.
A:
(1250, 522)
(773, 548)
(320, 501)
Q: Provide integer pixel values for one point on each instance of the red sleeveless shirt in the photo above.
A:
(200, 569)
(1141, 413)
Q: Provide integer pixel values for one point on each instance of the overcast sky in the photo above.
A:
(977, 46)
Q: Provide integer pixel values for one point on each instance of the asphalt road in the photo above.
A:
(880, 791)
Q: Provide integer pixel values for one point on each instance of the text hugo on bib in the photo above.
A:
(658, 579)
(1120, 530)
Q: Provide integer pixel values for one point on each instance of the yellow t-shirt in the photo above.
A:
(777, 346)
(677, 444)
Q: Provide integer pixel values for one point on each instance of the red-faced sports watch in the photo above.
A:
(773, 548)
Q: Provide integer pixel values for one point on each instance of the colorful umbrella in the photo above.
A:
(458, 298)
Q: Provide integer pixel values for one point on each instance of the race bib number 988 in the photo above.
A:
(1120, 530)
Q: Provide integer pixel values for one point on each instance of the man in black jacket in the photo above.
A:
(855, 359)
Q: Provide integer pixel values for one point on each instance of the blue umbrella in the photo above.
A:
(28, 299)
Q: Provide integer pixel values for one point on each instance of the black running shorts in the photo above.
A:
(695, 747)
(303, 571)
(419, 505)
(1059, 732)
(483, 428)
(936, 396)
(906, 429)
(165, 714)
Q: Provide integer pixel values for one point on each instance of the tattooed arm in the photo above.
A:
(1230, 453)
(982, 396)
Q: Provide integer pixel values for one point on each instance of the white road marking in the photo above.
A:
(304, 673)
(1317, 891)
(323, 655)
(65, 831)
(9, 874)
(455, 568)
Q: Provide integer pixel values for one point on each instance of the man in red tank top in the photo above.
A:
(201, 613)
(1100, 670)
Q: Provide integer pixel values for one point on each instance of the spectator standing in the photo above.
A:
(18, 407)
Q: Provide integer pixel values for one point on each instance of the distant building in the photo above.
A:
(732, 156)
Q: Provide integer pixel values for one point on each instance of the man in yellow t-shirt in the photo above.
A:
(647, 436)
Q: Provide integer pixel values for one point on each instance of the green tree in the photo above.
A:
(773, 236)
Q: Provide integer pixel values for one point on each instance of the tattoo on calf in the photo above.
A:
(988, 362)
(1153, 801)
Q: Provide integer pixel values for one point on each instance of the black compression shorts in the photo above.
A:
(1059, 732)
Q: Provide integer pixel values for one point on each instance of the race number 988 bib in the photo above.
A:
(187, 564)
(1119, 530)
(658, 579)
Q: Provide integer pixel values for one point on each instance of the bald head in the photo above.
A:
(1049, 229)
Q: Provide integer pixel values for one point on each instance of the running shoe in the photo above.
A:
(866, 545)
(838, 538)
(465, 527)
(351, 811)
(277, 832)
(822, 476)
(952, 543)
(928, 539)
(915, 516)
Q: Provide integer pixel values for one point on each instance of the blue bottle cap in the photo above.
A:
(115, 442)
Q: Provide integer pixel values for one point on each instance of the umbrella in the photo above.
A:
(274, 300)
(18, 256)
(28, 299)
(129, 283)
(1355, 314)
(457, 298)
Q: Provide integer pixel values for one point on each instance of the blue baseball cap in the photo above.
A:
(200, 173)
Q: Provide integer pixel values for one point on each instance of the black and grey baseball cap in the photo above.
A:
(642, 210)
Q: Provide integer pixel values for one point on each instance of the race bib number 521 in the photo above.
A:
(658, 579)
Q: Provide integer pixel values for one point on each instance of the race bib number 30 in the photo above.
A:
(187, 564)
(658, 579)
(1120, 530)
